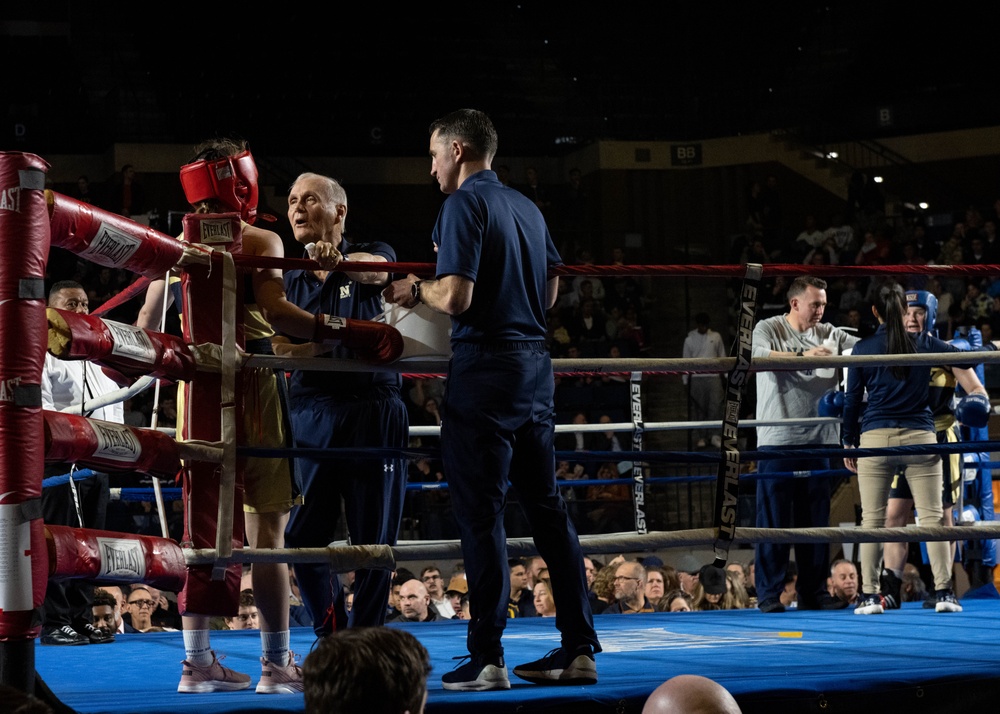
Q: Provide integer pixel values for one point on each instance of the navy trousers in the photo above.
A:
(497, 431)
(799, 502)
(372, 489)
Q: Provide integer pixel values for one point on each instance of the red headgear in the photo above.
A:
(231, 180)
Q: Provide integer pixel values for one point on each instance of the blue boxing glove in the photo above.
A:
(974, 410)
(829, 404)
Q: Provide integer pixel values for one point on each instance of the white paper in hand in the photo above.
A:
(426, 333)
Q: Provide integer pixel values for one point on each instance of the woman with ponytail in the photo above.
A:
(896, 414)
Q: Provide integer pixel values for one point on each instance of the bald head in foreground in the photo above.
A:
(690, 694)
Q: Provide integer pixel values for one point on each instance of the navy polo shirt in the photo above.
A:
(892, 402)
(485, 223)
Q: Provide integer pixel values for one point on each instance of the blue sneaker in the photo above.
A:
(476, 675)
(871, 604)
(561, 666)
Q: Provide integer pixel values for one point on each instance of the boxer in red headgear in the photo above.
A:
(222, 178)
(231, 180)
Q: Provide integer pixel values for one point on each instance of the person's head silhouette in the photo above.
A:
(690, 694)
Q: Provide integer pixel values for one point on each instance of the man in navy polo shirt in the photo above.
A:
(334, 409)
(498, 418)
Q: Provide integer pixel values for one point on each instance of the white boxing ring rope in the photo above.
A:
(342, 557)
(668, 365)
(113, 397)
(650, 426)
(656, 540)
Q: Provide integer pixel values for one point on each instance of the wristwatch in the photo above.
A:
(799, 353)
(415, 290)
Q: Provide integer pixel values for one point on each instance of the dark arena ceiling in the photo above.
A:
(318, 79)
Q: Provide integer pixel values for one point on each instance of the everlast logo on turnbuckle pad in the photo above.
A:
(116, 443)
(216, 231)
(121, 559)
(8, 387)
(111, 247)
(131, 341)
(10, 199)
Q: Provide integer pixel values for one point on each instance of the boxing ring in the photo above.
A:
(847, 661)
(909, 660)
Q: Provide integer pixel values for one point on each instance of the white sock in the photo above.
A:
(274, 647)
(198, 648)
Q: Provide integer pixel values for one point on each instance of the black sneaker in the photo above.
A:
(64, 635)
(891, 587)
(772, 604)
(476, 675)
(96, 635)
(561, 666)
(946, 602)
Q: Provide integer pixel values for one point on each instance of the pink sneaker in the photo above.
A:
(213, 677)
(277, 679)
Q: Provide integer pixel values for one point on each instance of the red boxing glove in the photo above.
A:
(374, 342)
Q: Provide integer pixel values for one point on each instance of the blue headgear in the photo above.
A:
(926, 300)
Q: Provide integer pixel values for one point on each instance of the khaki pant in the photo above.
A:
(923, 473)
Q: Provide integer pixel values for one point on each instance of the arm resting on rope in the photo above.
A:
(330, 257)
(368, 278)
(371, 341)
